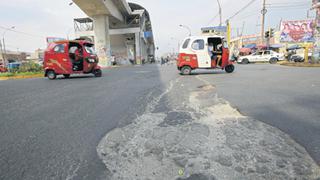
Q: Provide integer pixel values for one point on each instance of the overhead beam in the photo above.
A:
(113, 9)
(100, 7)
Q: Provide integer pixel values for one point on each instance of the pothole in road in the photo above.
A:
(176, 118)
(221, 144)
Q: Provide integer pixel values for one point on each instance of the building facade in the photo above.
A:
(121, 31)
(13, 56)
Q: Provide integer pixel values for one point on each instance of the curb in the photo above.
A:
(300, 65)
(21, 77)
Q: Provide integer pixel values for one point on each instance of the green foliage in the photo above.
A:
(28, 67)
(7, 74)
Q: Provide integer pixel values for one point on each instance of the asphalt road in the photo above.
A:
(285, 97)
(50, 129)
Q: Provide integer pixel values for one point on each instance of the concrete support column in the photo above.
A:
(102, 39)
(138, 47)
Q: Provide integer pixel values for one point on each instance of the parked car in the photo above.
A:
(262, 56)
(299, 57)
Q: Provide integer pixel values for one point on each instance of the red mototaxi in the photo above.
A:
(69, 57)
(2, 68)
(194, 54)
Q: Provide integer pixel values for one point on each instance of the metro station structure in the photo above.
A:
(119, 30)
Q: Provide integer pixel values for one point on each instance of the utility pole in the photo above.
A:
(241, 35)
(263, 12)
(2, 53)
(220, 12)
(172, 38)
(228, 32)
(242, 29)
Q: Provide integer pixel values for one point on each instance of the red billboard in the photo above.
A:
(297, 31)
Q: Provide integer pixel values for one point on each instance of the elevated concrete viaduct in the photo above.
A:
(120, 30)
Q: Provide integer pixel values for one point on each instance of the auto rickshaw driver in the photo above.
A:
(217, 55)
(76, 57)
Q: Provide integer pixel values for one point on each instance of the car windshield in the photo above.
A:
(89, 48)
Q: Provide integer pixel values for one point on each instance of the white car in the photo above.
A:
(262, 56)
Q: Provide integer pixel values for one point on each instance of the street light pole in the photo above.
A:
(4, 53)
(68, 32)
(220, 12)
(263, 12)
(172, 38)
(186, 27)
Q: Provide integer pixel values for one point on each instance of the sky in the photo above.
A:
(34, 20)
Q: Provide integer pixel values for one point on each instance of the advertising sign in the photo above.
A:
(297, 31)
(54, 39)
(219, 29)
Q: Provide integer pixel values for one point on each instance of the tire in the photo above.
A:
(245, 61)
(186, 70)
(97, 73)
(66, 76)
(230, 68)
(273, 60)
(51, 75)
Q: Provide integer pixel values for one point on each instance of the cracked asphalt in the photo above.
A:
(51, 129)
(190, 132)
(285, 97)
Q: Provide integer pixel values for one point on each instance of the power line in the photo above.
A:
(242, 9)
(291, 3)
(20, 32)
(214, 18)
(288, 6)
(289, 9)
(248, 15)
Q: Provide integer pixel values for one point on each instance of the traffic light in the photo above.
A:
(271, 33)
(267, 34)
